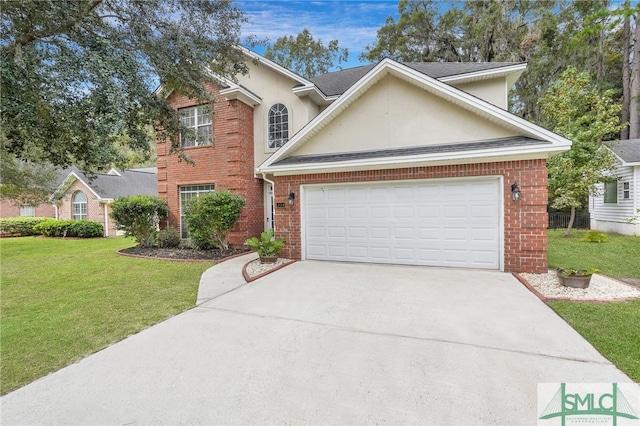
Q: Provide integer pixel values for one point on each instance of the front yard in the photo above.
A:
(613, 328)
(63, 299)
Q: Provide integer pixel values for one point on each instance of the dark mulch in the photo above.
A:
(182, 253)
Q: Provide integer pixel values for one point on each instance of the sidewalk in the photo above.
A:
(223, 278)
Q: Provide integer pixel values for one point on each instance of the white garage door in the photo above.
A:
(454, 223)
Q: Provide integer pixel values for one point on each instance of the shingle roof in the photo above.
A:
(129, 182)
(627, 150)
(401, 152)
(336, 83)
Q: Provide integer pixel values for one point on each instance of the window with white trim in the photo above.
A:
(79, 207)
(626, 193)
(278, 126)
(188, 193)
(611, 192)
(198, 120)
(27, 211)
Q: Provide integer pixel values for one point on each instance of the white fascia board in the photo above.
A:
(486, 74)
(73, 175)
(430, 84)
(242, 94)
(459, 157)
(278, 68)
(315, 94)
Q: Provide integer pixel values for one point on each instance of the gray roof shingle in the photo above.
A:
(628, 150)
(130, 182)
(401, 152)
(336, 83)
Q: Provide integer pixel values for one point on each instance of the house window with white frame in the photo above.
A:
(626, 190)
(278, 126)
(198, 120)
(28, 211)
(611, 192)
(188, 193)
(79, 207)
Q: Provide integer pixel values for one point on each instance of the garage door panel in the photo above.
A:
(455, 224)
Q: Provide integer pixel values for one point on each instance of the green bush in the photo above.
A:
(20, 225)
(169, 238)
(595, 237)
(87, 229)
(69, 228)
(139, 216)
(211, 216)
(266, 245)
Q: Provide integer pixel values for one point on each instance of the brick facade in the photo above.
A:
(95, 209)
(9, 209)
(525, 221)
(227, 164)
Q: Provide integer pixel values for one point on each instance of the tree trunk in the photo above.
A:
(571, 219)
(626, 74)
(634, 107)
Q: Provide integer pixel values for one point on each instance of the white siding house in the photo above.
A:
(615, 209)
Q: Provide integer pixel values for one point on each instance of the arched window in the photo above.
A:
(278, 126)
(79, 206)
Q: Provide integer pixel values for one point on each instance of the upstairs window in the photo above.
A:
(79, 208)
(198, 120)
(611, 192)
(278, 126)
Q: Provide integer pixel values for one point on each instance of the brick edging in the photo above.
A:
(573, 299)
(248, 279)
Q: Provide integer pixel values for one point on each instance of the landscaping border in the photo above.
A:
(168, 259)
(249, 279)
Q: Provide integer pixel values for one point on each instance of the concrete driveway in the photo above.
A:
(328, 343)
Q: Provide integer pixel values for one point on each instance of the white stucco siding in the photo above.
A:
(394, 114)
(614, 216)
(494, 91)
(273, 87)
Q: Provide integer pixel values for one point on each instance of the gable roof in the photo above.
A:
(546, 141)
(336, 83)
(109, 186)
(628, 151)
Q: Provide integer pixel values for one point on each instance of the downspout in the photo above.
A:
(273, 185)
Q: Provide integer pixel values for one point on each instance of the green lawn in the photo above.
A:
(63, 299)
(613, 328)
(619, 257)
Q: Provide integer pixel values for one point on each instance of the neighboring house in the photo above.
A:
(619, 200)
(389, 163)
(9, 208)
(82, 196)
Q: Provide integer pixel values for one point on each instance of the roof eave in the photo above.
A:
(513, 72)
(465, 157)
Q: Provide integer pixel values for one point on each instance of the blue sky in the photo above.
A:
(352, 22)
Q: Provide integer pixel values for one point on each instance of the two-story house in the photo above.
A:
(416, 163)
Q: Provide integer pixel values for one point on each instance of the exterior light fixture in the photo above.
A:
(515, 192)
(292, 197)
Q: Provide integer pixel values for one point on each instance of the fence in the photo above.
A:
(561, 220)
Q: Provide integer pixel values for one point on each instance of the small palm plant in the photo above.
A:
(267, 247)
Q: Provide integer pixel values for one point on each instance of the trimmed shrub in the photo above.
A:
(87, 229)
(20, 225)
(211, 216)
(169, 238)
(139, 216)
(70, 228)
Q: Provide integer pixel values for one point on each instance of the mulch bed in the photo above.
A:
(181, 253)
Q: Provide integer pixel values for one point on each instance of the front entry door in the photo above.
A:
(268, 207)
